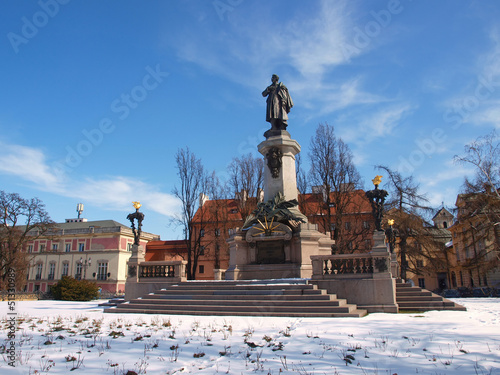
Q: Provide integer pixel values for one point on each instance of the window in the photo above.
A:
(129, 246)
(347, 225)
(333, 226)
(202, 232)
(102, 270)
(366, 224)
(481, 245)
(467, 252)
(217, 232)
(55, 247)
(368, 244)
(201, 269)
(37, 288)
(78, 274)
(81, 246)
(420, 263)
(30, 248)
(65, 269)
(421, 283)
(52, 271)
(42, 248)
(68, 247)
(457, 253)
(39, 268)
(202, 250)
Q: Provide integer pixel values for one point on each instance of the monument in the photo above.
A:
(276, 241)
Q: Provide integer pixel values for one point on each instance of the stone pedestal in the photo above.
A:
(284, 254)
(283, 179)
(135, 259)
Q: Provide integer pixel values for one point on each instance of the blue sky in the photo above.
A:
(98, 96)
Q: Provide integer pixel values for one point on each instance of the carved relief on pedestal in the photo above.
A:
(274, 156)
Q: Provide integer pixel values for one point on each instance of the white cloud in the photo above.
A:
(115, 192)
(377, 124)
(29, 164)
(307, 45)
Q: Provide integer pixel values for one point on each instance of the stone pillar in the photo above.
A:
(279, 171)
(135, 259)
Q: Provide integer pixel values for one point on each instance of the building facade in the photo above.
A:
(476, 243)
(87, 250)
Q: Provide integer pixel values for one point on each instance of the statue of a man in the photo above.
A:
(279, 104)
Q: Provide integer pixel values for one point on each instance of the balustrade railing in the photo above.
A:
(159, 270)
(330, 266)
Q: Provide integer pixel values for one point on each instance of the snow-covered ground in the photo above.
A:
(56, 337)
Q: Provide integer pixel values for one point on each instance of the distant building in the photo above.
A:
(431, 267)
(90, 250)
(476, 242)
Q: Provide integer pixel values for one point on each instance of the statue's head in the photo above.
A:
(275, 78)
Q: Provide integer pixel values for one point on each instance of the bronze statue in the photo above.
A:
(279, 104)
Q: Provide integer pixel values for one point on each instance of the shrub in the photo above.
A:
(70, 289)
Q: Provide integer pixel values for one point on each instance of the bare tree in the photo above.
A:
(484, 155)
(336, 179)
(192, 183)
(246, 176)
(479, 203)
(21, 220)
(417, 239)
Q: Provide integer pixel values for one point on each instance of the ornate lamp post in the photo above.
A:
(137, 250)
(377, 199)
(139, 216)
(390, 233)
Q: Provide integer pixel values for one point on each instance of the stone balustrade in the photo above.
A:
(162, 269)
(357, 265)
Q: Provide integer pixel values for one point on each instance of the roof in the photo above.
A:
(442, 212)
(358, 203)
(88, 224)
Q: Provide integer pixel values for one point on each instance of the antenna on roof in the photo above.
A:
(79, 209)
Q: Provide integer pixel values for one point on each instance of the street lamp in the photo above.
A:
(391, 235)
(85, 264)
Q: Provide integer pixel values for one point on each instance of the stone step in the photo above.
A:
(410, 293)
(356, 313)
(221, 297)
(426, 298)
(263, 292)
(220, 286)
(238, 302)
(414, 298)
(180, 309)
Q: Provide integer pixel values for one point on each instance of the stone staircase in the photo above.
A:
(242, 298)
(413, 298)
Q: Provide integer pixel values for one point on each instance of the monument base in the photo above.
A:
(276, 256)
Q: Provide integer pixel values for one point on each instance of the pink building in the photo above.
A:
(92, 250)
